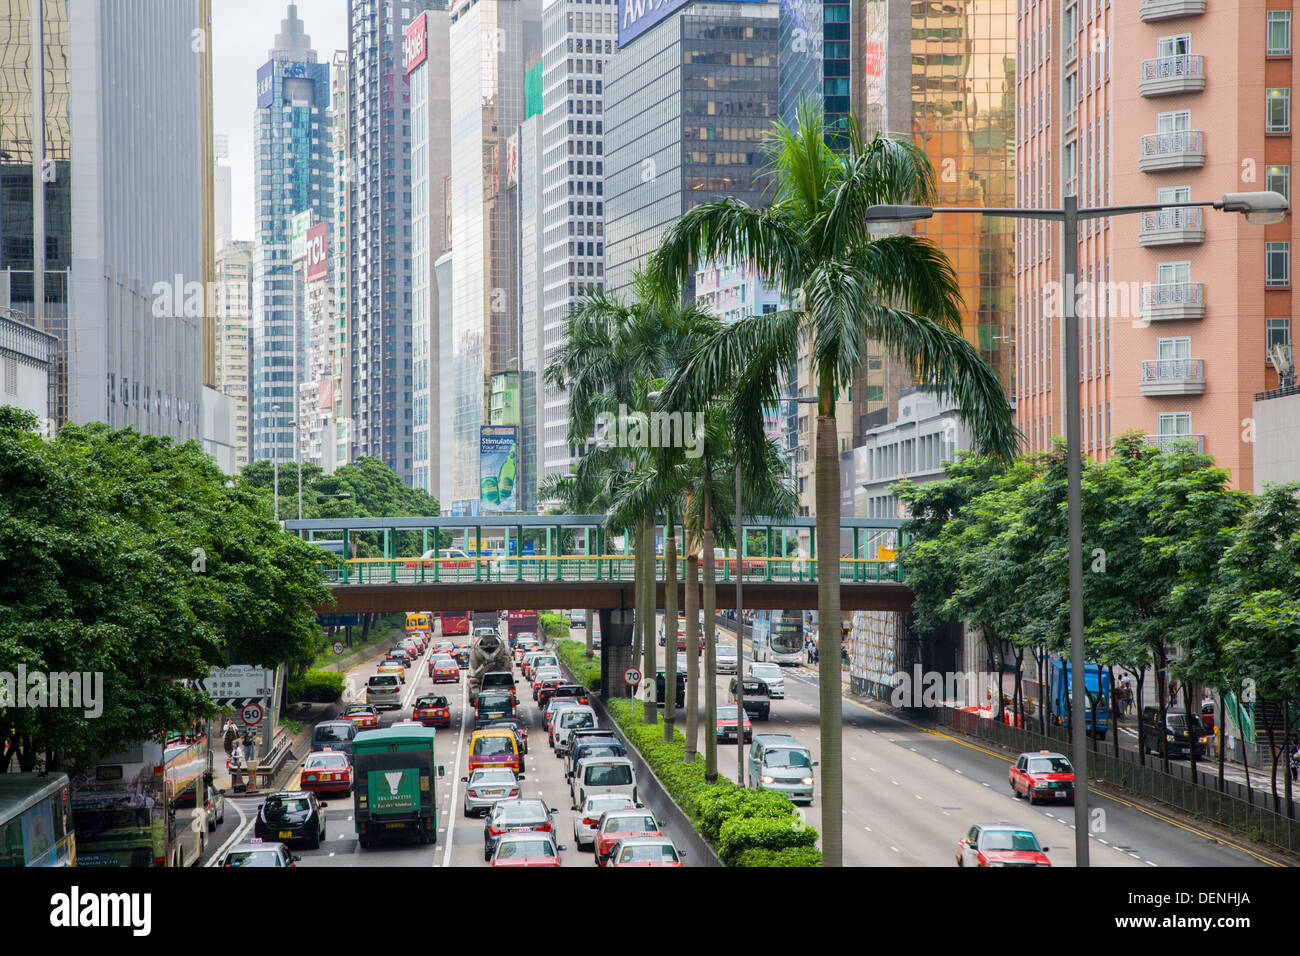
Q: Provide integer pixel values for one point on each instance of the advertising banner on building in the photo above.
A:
(416, 45)
(317, 245)
(498, 464)
(265, 85)
(512, 160)
(298, 227)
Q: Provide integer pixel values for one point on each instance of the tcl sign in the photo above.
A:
(317, 263)
(417, 42)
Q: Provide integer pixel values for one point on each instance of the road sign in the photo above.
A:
(338, 620)
(338, 647)
(251, 715)
(237, 685)
(632, 676)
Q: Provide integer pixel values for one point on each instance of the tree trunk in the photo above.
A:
(1114, 710)
(1219, 729)
(827, 496)
(670, 626)
(710, 652)
(648, 673)
(1193, 730)
(692, 652)
(1162, 677)
(1141, 677)
(591, 633)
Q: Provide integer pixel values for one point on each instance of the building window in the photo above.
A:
(1278, 111)
(1279, 33)
(1276, 332)
(1277, 264)
(1278, 179)
(1174, 423)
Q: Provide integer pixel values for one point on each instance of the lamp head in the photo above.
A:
(1259, 208)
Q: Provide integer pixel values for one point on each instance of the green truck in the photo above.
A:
(394, 789)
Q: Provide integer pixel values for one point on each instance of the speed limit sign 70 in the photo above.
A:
(632, 676)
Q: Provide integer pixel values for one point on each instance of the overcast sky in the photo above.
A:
(244, 31)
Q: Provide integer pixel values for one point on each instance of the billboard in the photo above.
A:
(498, 465)
(512, 159)
(637, 16)
(265, 85)
(416, 45)
(298, 227)
(318, 251)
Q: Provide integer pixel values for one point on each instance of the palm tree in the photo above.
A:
(577, 494)
(845, 287)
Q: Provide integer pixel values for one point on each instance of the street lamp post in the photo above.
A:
(275, 460)
(1258, 207)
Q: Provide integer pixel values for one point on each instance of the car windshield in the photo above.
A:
(561, 703)
(604, 750)
(494, 701)
(727, 713)
(525, 812)
(634, 824)
(287, 805)
(383, 680)
(443, 662)
(493, 746)
(1176, 721)
(648, 853)
(326, 760)
(266, 857)
(787, 758)
(514, 849)
(360, 712)
(617, 775)
(1048, 765)
(491, 776)
(726, 651)
(546, 660)
(605, 801)
(331, 731)
(1022, 840)
(765, 670)
(431, 702)
(578, 718)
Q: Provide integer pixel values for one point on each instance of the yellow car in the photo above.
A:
(392, 667)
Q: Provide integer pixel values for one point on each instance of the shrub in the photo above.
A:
(739, 834)
(574, 656)
(791, 856)
(554, 626)
(317, 686)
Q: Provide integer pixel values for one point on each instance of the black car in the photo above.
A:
(576, 691)
(681, 687)
(493, 705)
(335, 734)
(511, 816)
(399, 654)
(291, 815)
(512, 723)
(461, 656)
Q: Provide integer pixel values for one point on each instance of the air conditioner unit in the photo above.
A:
(1281, 356)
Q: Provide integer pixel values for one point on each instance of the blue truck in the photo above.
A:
(1096, 687)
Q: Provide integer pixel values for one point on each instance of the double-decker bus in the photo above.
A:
(144, 806)
(36, 820)
(454, 623)
(777, 636)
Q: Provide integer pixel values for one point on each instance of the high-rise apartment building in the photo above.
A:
(689, 97)
(527, 182)
(293, 175)
(338, 252)
(1120, 105)
(233, 295)
(428, 72)
(380, 231)
(103, 215)
(490, 42)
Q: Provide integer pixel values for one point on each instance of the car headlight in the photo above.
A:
(765, 779)
(1169, 738)
(996, 863)
(1042, 785)
(807, 781)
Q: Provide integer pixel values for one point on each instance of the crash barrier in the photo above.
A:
(1230, 808)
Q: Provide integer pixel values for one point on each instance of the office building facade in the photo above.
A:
(338, 253)
(234, 291)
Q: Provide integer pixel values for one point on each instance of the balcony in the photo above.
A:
(1071, 50)
(1167, 442)
(1166, 75)
(1153, 10)
(1173, 377)
(1171, 227)
(1071, 119)
(1180, 149)
(1172, 301)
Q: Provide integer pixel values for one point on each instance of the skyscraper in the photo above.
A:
(528, 184)
(233, 296)
(490, 42)
(428, 73)
(294, 175)
(339, 257)
(379, 230)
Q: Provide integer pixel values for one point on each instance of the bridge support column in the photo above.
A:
(615, 652)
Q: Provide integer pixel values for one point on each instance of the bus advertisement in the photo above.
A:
(36, 821)
(454, 623)
(145, 806)
(777, 636)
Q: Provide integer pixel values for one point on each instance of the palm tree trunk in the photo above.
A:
(710, 651)
(827, 496)
(670, 627)
(692, 644)
(639, 618)
(591, 632)
(648, 672)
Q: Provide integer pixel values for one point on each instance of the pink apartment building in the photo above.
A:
(1159, 100)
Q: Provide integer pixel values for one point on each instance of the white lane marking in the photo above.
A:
(894, 848)
(894, 782)
(955, 770)
(919, 797)
(331, 852)
(1149, 863)
(244, 824)
(451, 803)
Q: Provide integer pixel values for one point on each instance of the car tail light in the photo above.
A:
(589, 822)
(496, 831)
(545, 827)
(514, 792)
(474, 793)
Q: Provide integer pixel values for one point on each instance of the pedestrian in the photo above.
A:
(228, 736)
(250, 745)
(1295, 763)
(236, 756)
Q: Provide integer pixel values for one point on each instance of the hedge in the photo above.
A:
(554, 626)
(574, 656)
(746, 827)
(317, 686)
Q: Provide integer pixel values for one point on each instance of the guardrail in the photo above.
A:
(588, 568)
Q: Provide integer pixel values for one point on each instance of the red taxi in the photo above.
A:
(617, 825)
(645, 852)
(527, 849)
(432, 710)
(725, 728)
(365, 716)
(1044, 775)
(1000, 844)
(444, 670)
(327, 771)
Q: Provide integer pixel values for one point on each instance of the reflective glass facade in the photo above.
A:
(800, 55)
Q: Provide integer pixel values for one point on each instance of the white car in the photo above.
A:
(586, 820)
(603, 775)
(573, 718)
(771, 675)
(727, 659)
(384, 690)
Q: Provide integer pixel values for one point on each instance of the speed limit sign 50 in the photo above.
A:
(252, 714)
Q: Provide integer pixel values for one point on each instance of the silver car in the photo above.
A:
(486, 786)
(727, 659)
(587, 819)
(771, 675)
